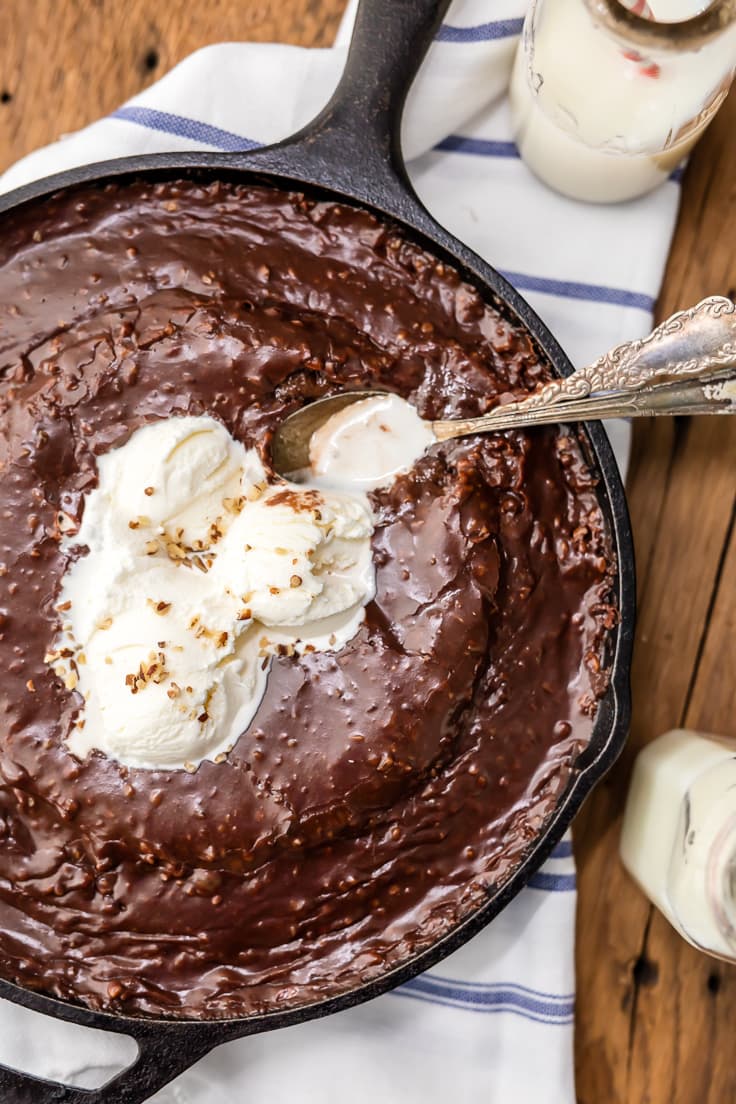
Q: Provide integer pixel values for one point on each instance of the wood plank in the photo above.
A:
(65, 63)
(613, 916)
(685, 1016)
(644, 1003)
(702, 259)
(712, 705)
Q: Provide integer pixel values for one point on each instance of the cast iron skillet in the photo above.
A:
(351, 153)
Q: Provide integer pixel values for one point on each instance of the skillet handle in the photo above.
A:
(164, 1051)
(357, 134)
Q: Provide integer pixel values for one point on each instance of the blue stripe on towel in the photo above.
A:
(491, 147)
(561, 1021)
(542, 1007)
(570, 289)
(184, 127)
(523, 991)
(482, 147)
(563, 850)
(552, 883)
(482, 32)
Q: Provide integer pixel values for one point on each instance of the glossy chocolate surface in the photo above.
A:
(380, 790)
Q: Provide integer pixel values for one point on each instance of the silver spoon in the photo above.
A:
(687, 365)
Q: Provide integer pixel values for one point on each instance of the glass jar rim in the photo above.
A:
(685, 34)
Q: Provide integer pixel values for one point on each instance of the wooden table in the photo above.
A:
(655, 1019)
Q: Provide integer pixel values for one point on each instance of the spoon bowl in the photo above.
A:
(290, 445)
(687, 365)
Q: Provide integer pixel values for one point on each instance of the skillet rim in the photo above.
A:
(279, 167)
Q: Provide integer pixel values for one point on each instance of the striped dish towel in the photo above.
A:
(494, 1022)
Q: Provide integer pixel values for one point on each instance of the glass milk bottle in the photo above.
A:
(606, 100)
(679, 835)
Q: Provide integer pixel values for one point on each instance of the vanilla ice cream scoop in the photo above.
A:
(197, 571)
(369, 442)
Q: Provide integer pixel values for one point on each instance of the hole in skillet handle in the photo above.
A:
(164, 1051)
(72, 1053)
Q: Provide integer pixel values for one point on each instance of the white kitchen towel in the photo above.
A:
(494, 1022)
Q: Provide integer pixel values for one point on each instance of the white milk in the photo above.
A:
(679, 835)
(602, 127)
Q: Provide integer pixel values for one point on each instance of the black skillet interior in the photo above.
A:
(350, 152)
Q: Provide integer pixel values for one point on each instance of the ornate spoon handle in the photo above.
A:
(693, 344)
(691, 397)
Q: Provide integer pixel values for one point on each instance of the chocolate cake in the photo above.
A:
(381, 789)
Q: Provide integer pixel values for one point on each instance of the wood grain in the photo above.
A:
(64, 63)
(653, 1014)
(654, 1021)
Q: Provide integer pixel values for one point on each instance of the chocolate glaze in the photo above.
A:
(380, 790)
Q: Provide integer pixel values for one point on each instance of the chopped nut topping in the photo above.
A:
(148, 491)
(175, 551)
(254, 493)
(159, 607)
(151, 670)
(65, 522)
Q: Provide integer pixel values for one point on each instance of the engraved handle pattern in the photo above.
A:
(691, 344)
